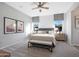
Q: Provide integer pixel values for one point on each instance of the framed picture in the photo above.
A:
(20, 26)
(77, 22)
(9, 25)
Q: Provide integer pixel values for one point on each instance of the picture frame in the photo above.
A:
(20, 26)
(9, 25)
(77, 22)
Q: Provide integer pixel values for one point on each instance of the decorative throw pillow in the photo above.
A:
(41, 32)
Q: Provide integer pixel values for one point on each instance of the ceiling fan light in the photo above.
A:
(40, 10)
(40, 6)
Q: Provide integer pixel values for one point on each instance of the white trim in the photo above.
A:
(74, 44)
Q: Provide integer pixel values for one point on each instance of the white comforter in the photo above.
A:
(44, 37)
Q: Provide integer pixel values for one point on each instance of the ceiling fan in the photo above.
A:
(40, 5)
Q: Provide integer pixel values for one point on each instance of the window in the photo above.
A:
(58, 24)
(35, 24)
(58, 21)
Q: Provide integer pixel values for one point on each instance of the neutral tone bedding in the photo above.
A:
(43, 38)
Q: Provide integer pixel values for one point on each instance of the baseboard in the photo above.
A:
(9, 45)
(75, 44)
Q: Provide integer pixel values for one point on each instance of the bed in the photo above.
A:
(43, 39)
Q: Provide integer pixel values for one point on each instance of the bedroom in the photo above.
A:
(57, 20)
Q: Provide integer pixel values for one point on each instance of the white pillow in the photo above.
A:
(41, 32)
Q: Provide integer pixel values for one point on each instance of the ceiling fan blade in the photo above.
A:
(43, 3)
(35, 8)
(45, 7)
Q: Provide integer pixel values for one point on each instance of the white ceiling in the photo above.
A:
(54, 8)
